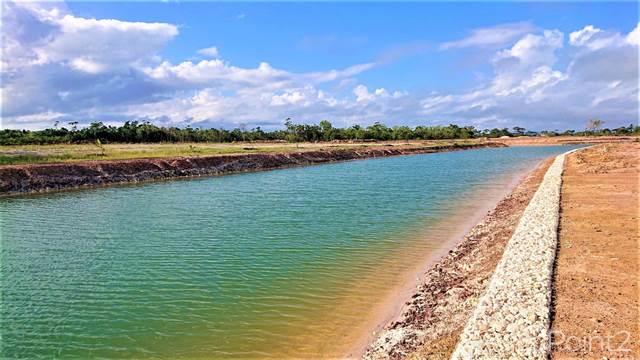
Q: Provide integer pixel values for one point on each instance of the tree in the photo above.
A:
(402, 133)
(594, 124)
(519, 130)
(291, 129)
(327, 130)
(243, 129)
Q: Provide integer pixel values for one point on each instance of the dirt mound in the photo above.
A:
(603, 159)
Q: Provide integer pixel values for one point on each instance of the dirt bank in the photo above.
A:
(432, 321)
(564, 140)
(597, 274)
(47, 177)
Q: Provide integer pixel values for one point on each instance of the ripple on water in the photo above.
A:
(252, 265)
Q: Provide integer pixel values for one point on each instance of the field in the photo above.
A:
(56, 153)
(42, 154)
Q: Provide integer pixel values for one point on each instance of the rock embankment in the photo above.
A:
(47, 177)
(435, 316)
(512, 318)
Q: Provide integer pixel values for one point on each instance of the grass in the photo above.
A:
(42, 154)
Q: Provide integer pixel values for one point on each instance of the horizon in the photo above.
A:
(540, 66)
(76, 126)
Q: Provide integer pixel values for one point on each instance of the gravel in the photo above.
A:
(512, 319)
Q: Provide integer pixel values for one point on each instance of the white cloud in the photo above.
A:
(210, 51)
(580, 37)
(592, 38)
(304, 97)
(226, 76)
(494, 36)
(532, 50)
(363, 94)
(634, 36)
(79, 68)
(525, 57)
(97, 45)
(58, 66)
(87, 65)
(94, 62)
(530, 89)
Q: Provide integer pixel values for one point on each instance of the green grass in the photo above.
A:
(32, 159)
(42, 154)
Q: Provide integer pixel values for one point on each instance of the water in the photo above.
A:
(268, 264)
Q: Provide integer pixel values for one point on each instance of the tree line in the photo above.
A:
(146, 132)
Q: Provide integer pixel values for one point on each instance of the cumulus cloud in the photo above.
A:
(581, 37)
(98, 44)
(363, 95)
(529, 88)
(56, 63)
(58, 66)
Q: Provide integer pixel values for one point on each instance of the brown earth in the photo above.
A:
(563, 140)
(432, 321)
(47, 177)
(596, 278)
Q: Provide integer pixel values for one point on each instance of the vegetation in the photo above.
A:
(135, 132)
(55, 153)
(594, 124)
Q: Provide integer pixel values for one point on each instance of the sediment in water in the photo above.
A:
(16, 179)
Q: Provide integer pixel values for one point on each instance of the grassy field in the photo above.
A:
(40, 154)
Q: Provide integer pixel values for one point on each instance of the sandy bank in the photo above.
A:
(432, 321)
(47, 177)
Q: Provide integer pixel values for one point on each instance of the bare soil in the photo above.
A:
(563, 140)
(596, 310)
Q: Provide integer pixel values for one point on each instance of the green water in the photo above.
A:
(250, 265)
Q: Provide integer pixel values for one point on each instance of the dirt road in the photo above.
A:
(596, 279)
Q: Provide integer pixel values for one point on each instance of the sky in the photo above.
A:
(540, 65)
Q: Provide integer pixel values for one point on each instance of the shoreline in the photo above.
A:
(430, 322)
(512, 317)
(40, 178)
(397, 300)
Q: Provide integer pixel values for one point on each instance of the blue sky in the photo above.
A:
(538, 65)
